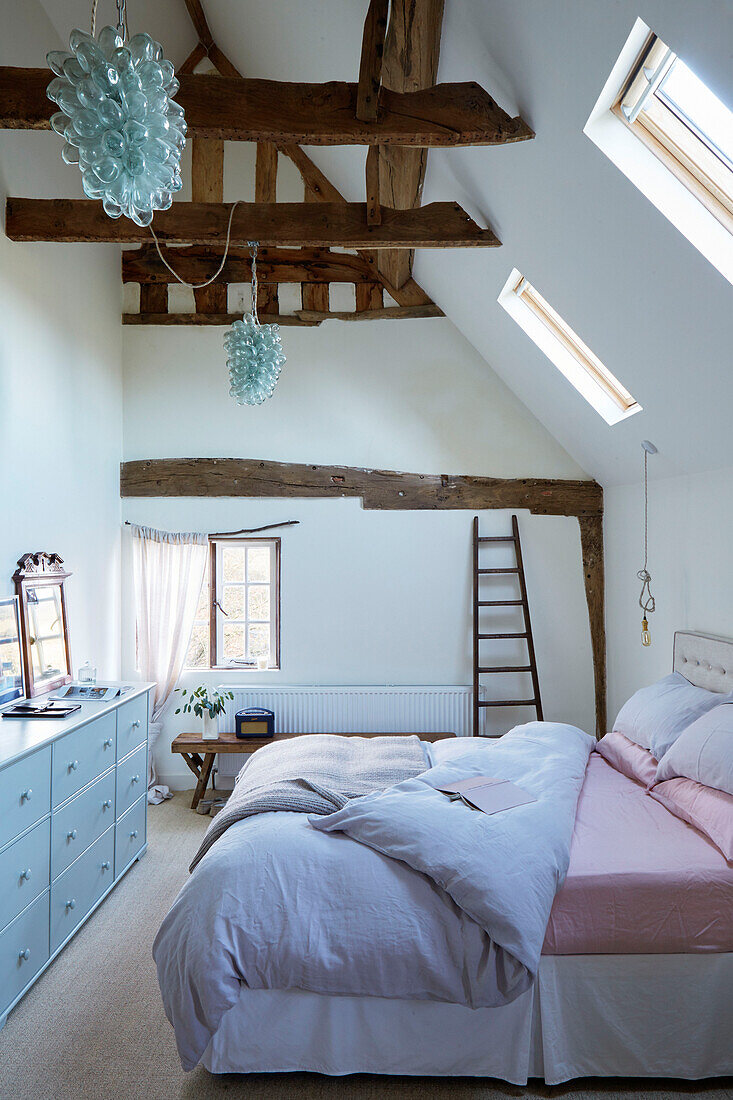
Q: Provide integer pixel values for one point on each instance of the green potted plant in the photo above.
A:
(205, 705)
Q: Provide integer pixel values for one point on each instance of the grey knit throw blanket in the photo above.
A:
(315, 774)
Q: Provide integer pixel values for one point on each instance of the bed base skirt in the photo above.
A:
(586, 1016)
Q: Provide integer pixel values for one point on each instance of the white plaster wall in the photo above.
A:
(368, 597)
(60, 384)
(690, 559)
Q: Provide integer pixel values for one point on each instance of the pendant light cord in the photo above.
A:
(217, 273)
(646, 601)
(253, 245)
(121, 19)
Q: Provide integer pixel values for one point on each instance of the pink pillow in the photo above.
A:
(628, 758)
(708, 810)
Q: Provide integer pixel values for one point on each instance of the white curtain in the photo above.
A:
(169, 571)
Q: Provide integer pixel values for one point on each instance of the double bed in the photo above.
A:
(634, 978)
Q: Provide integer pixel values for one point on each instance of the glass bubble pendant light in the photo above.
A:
(118, 118)
(255, 355)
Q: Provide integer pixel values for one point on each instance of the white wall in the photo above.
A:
(690, 538)
(368, 597)
(60, 384)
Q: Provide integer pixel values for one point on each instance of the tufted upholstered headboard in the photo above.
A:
(704, 660)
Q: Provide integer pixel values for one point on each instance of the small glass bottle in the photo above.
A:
(87, 674)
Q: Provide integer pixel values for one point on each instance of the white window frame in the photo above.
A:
(665, 180)
(563, 347)
(217, 618)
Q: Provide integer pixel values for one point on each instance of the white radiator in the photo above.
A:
(350, 710)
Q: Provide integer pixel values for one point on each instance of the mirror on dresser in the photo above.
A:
(39, 583)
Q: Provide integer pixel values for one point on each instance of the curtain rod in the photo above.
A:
(243, 531)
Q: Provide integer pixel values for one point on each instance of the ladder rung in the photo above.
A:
(521, 634)
(505, 668)
(496, 538)
(507, 703)
(499, 603)
(497, 570)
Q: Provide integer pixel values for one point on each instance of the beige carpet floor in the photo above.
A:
(92, 1028)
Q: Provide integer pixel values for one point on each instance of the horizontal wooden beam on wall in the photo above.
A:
(235, 109)
(251, 477)
(196, 263)
(383, 313)
(278, 224)
(208, 320)
(302, 318)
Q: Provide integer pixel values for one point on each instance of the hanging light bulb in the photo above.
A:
(118, 118)
(255, 353)
(647, 603)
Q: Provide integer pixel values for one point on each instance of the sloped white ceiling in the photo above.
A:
(649, 305)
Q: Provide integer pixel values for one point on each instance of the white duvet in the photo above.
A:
(277, 904)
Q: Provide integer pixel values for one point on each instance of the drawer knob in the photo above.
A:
(136, 724)
(73, 765)
(107, 804)
(135, 779)
(71, 903)
(105, 865)
(26, 874)
(108, 743)
(71, 835)
(133, 834)
(26, 795)
(25, 955)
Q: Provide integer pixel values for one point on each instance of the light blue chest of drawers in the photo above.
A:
(73, 819)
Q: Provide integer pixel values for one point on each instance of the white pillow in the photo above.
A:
(704, 751)
(655, 716)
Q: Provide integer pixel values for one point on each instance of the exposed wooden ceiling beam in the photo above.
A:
(235, 109)
(251, 477)
(206, 39)
(410, 293)
(374, 210)
(207, 185)
(266, 192)
(302, 318)
(283, 224)
(411, 53)
(381, 313)
(196, 263)
(372, 52)
(202, 320)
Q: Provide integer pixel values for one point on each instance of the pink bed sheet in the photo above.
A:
(640, 880)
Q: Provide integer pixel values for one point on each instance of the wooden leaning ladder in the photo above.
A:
(479, 636)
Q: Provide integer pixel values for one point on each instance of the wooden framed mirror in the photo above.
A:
(39, 583)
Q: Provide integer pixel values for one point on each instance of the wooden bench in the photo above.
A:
(200, 754)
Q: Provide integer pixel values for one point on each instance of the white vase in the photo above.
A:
(210, 727)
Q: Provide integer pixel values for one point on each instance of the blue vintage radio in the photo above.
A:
(254, 722)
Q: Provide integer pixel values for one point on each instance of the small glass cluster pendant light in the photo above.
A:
(118, 118)
(254, 352)
(647, 603)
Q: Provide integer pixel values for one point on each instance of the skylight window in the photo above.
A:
(572, 357)
(669, 134)
(684, 124)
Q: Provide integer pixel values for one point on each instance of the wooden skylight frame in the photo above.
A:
(571, 355)
(673, 140)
